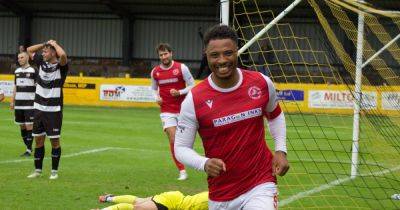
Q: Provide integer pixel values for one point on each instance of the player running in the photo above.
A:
(227, 110)
(170, 81)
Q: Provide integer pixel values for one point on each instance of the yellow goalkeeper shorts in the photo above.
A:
(171, 200)
(195, 202)
(175, 200)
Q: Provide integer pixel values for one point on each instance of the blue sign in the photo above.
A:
(290, 95)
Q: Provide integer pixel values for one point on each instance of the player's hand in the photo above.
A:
(280, 164)
(159, 101)
(12, 105)
(214, 167)
(51, 42)
(174, 93)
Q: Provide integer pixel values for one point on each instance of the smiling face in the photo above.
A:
(222, 58)
(221, 49)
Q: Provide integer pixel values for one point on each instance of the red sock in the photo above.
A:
(179, 165)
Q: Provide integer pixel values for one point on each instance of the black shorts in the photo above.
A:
(159, 205)
(47, 123)
(23, 116)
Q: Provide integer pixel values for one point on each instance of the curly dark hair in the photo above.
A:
(220, 32)
(163, 47)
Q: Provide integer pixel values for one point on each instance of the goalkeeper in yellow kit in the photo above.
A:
(173, 200)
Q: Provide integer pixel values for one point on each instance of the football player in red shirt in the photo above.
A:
(227, 110)
(171, 81)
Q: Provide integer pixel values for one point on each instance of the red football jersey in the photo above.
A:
(231, 127)
(168, 79)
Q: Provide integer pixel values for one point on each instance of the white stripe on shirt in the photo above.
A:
(51, 76)
(23, 107)
(46, 108)
(27, 70)
(25, 96)
(48, 93)
(21, 82)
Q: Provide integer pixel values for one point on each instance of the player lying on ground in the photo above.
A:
(173, 200)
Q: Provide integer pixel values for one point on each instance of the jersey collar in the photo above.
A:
(225, 90)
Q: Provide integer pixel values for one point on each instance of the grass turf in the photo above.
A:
(124, 151)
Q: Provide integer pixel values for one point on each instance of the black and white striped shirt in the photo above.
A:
(49, 83)
(25, 86)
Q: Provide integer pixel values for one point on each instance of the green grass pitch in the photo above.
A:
(124, 151)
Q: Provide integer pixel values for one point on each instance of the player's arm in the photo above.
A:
(1, 95)
(187, 76)
(33, 49)
(60, 52)
(185, 136)
(12, 101)
(154, 87)
(277, 129)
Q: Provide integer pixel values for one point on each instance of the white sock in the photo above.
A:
(109, 198)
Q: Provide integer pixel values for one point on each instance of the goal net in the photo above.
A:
(340, 158)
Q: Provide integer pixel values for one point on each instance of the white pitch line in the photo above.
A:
(335, 161)
(330, 185)
(84, 153)
(66, 156)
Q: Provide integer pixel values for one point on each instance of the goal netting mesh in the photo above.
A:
(313, 64)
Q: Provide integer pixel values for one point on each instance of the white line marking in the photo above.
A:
(330, 185)
(86, 152)
(67, 156)
(335, 161)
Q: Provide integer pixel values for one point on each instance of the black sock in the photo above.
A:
(24, 135)
(39, 155)
(55, 158)
(29, 139)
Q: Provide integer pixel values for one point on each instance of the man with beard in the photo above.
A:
(170, 81)
(53, 68)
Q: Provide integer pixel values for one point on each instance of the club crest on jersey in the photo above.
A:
(175, 72)
(209, 103)
(254, 92)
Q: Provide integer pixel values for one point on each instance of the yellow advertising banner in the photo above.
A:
(294, 98)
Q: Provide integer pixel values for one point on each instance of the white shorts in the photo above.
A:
(261, 197)
(169, 120)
